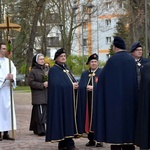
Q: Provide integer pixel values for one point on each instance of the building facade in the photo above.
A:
(98, 26)
(96, 22)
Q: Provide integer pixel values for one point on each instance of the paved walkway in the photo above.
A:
(26, 140)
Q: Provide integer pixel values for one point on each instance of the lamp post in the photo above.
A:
(61, 30)
(82, 47)
(89, 6)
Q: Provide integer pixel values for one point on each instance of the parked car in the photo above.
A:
(20, 79)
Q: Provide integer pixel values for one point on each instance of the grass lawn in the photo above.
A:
(22, 88)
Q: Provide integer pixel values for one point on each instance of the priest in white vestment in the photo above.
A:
(5, 98)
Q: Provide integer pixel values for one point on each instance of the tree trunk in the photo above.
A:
(29, 54)
(137, 19)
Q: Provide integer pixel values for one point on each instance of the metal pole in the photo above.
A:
(62, 39)
(82, 47)
(97, 33)
(0, 18)
(61, 28)
(11, 99)
(146, 30)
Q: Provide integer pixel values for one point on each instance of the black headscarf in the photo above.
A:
(33, 61)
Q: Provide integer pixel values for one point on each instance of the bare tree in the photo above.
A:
(135, 19)
(37, 13)
(136, 13)
(33, 15)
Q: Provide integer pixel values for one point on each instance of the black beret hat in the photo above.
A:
(59, 52)
(135, 46)
(93, 56)
(119, 42)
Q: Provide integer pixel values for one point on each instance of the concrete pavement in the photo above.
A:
(25, 139)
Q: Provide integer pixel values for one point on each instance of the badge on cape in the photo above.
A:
(138, 64)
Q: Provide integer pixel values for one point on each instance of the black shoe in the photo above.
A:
(35, 132)
(62, 148)
(99, 144)
(128, 147)
(116, 147)
(1, 136)
(7, 137)
(41, 134)
(71, 148)
(90, 143)
(77, 136)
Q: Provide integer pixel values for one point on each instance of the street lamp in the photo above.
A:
(89, 6)
(61, 28)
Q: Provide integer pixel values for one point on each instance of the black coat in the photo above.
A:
(140, 64)
(61, 119)
(143, 117)
(84, 97)
(36, 81)
(116, 100)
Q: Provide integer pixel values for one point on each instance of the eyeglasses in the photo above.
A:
(138, 50)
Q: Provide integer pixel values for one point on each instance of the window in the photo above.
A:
(84, 42)
(121, 4)
(108, 5)
(108, 40)
(52, 18)
(53, 41)
(108, 22)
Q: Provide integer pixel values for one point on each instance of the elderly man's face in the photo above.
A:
(61, 58)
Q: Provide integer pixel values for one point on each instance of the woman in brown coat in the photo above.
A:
(37, 81)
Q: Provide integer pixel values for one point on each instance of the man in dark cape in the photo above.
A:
(137, 52)
(86, 93)
(61, 114)
(143, 120)
(116, 100)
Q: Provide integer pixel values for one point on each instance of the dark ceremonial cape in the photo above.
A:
(116, 100)
(143, 61)
(143, 118)
(140, 64)
(61, 120)
(86, 77)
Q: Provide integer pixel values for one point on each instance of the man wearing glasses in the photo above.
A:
(137, 52)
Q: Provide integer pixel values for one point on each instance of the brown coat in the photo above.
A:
(35, 81)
